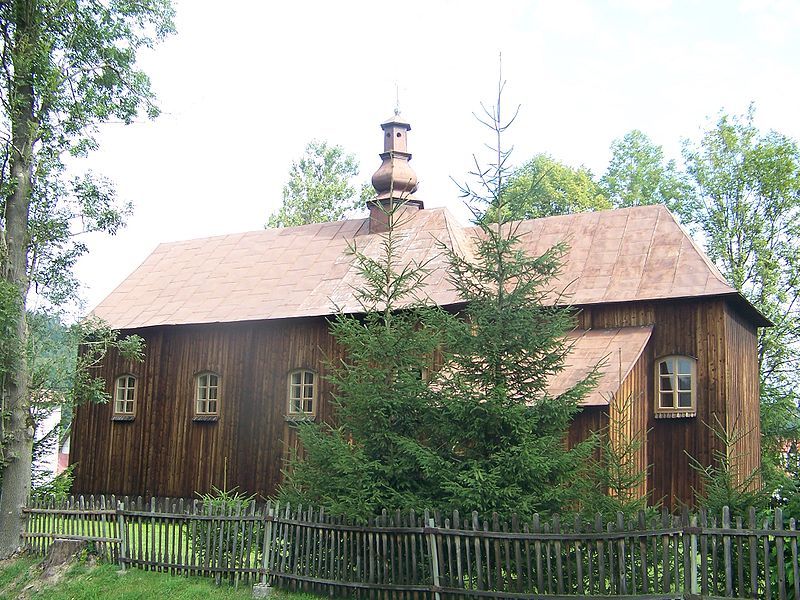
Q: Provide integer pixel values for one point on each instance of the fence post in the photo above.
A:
(123, 537)
(694, 586)
(434, 554)
(266, 552)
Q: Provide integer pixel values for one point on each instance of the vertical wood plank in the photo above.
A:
(740, 588)
(666, 571)
(578, 559)
(704, 583)
(517, 554)
(795, 565)
(434, 557)
(623, 581)
(601, 556)
(123, 538)
(459, 566)
(726, 552)
(537, 546)
(715, 578)
(558, 553)
(767, 567)
(642, 526)
(528, 570)
(751, 520)
(779, 548)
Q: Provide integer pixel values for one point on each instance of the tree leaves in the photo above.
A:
(319, 187)
(745, 205)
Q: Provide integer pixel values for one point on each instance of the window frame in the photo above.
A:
(206, 415)
(117, 415)
(675, 410)
(295, 415)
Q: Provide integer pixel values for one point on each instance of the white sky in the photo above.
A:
(245, 85)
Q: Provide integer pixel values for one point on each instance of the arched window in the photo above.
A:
(125, 398)
(676, 386)
(302, 393)
(206, 395)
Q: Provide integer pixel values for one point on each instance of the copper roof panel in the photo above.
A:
(615, 350)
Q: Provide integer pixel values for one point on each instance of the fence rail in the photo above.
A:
(430, 555)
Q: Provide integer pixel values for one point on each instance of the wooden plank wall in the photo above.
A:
(696, 328)
(742, 384)
(163, 451)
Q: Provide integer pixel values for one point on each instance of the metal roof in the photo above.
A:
(622, 255)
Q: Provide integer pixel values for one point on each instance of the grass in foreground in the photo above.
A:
(20, 579)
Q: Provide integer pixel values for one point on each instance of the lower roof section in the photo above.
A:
(615, 350)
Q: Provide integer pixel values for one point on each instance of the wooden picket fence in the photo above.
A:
(429, 555)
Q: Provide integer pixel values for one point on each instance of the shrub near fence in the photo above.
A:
(409, 555)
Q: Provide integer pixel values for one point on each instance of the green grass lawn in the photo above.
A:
(21, 579)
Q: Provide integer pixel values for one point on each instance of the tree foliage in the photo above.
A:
(320, 187)
(543, 187)
(379, 455)
(67, 66)
(638, 174)
(723, 481)
(745, 206)
(505, 432)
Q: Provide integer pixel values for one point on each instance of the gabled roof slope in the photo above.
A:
(639, 253)
(615, 256)
(268, 274)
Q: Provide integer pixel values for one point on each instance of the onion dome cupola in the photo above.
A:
(395, 180)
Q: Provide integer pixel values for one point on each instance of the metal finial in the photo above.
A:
(396, 100)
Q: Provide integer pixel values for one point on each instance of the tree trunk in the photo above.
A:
(18, 440)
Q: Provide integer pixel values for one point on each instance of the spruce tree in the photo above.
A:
(504, 434)
(377, 455)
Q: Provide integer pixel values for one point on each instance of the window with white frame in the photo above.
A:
(125, 396)
(302, 393)
(676, 386)
(206, 395)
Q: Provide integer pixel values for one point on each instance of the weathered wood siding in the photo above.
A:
(720, 339)
(163, 451)
(742, 384)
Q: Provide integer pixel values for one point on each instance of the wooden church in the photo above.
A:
(236, 333)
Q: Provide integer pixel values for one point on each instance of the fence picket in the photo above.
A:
(767, 582)
(779, 554)
(740, 589)
(795, 565)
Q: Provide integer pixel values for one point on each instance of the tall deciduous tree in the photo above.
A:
(745, 206)
(320, 187)
(67, 65)
(638, 174)
(543, 187)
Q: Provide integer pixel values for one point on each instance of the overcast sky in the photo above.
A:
(245, 85)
